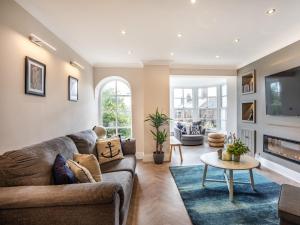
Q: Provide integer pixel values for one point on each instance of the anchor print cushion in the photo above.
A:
(109, 150)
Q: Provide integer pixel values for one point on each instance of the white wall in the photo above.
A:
(27, 119)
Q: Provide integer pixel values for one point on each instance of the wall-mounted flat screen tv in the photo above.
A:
(283, 93)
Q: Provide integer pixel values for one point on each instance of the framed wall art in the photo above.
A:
(35, 77)
(73, 88)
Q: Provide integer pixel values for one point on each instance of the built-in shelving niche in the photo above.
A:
(249, 83)
(249, 111)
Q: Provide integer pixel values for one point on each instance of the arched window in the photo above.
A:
(115, 107)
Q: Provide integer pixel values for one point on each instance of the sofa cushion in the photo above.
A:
(62, 174)
(90, 162)
(85, 141)
(33, 165)
(109, 150)
(288, 206)
(81, 173)
(126, 180)
(126, 164)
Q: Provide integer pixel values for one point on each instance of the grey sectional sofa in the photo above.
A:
(28, 196)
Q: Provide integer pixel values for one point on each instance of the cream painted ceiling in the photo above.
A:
(209, 27)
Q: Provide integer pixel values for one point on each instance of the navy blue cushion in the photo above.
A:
(61, 172)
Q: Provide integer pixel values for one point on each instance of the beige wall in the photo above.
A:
(27, 119)
(287, 127)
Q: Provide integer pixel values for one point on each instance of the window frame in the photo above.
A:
(195, 110)
(116, 95)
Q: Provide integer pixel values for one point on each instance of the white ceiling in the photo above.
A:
(93, 29)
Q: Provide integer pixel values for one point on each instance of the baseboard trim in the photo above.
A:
(291, 174)
(139, 155)
(149, 157)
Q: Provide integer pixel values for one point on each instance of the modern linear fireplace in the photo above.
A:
(283, 148)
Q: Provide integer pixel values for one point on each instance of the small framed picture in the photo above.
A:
(73, 88)
(35, 77)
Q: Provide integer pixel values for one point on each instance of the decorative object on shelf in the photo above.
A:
(35, 77)
(157, 120)
(249, 83)
(73, 88)
(249, 111)
(237, 149)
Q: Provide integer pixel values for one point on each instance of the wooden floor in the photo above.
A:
(156, 200)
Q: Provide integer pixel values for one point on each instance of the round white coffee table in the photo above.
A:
(246, 163)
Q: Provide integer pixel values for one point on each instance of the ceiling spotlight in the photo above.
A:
(237, 40)
(123, 32)
(171, 53)
(193, 1)
(179, 35)
(271, 11)
(129, 52)
(217, 56)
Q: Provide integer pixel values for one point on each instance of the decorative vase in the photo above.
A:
(236, 158)
(220, 154)
(226, 156)
(158, 157)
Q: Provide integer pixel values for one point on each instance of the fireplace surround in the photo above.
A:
(282, 148)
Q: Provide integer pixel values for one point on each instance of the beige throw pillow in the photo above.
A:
(90, 162)
(109, 150)
(81, 173)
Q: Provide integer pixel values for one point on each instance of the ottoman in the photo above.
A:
(216, 140)
(289, 205)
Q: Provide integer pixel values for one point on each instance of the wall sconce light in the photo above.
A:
(40, 42)
(76, 64)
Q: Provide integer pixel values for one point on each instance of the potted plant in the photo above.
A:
(237, 149)
(157, 120)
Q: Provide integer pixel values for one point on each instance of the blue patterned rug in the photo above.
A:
(210, 205)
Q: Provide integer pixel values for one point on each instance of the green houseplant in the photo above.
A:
(157, 120)
(237, 149)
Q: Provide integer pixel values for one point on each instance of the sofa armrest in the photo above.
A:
(128, 147)
(60, 195)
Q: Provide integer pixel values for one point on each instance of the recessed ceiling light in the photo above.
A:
(123, 32)
(193, 1)
(179, 35)
(271, 11)
(171, 53)
(237, 40)
(129, 52)
(217, 56)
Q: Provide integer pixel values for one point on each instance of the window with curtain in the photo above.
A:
(115, 108)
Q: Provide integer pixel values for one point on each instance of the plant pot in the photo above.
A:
(236, 158)
(158, 157)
